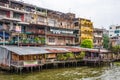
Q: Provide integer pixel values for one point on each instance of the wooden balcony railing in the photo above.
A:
(26, 63)
(96, 59)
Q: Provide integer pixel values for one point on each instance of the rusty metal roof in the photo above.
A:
(47, 49)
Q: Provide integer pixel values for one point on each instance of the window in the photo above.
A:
(41, 19)
(3, 13)
(116, 31)
(60, 38)
(76, 24)
(110, 27)
(17, 16)
(95, 41)
(52, 40)
(117, 34)
(51, 22)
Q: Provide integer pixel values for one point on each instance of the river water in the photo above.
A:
(78, 73)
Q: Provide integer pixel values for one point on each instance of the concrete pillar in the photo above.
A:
(73, 40)
(11, 14)
(46, 38)
(20, 70)
(11, 25)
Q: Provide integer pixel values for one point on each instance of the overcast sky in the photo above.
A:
(103, 13)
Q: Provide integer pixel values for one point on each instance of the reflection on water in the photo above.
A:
(79, 73)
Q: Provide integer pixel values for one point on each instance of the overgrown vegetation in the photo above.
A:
(105, 41)
(66, 56)
(87, 43)
(81, 55)
(116, 49)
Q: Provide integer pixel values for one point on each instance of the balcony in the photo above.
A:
(98, 36)
(49, 61)
(12, 8)
(9, 19)
(41, 23)
(36, 32)
(60, 35)
(4, 4)
(41, 13)
(28, 63)
(39, 32)
(76, 27)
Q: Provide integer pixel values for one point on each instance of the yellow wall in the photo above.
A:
(86, 30)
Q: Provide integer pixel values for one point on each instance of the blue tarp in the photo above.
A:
(6, 35)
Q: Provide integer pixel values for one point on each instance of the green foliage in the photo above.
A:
(81, 55)
(70, 55)
(66, 56)
(37, 39)
(117, 63)
(42, 40)
(61, 57)
(87, 43)
(25, 40)
(116, 49)
(105, 41)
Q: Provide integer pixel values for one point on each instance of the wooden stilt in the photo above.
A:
(17, 70)
(76, 63)
(46, 66)
(39, 68)
(28, 69)
(20, 70)
(31, 69)
(64, 65)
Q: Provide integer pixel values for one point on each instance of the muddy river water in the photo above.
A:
(76, 73)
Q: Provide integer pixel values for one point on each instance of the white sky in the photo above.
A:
(103, 13)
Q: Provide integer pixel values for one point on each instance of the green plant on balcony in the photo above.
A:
(42, 40)
(37, 40)
(61, 57)
(80, 56)
(25, 40)
(70, 55)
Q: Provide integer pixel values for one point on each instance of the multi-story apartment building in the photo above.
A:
(105, 31)
(24, 23)
(114, 31)
(98, 38)
(114, 35)
(85, 28)
(115, 41)
(60, 30)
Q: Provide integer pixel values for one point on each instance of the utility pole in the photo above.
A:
(18, 40)
(3, 38)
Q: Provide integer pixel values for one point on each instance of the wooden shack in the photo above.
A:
(28, 57)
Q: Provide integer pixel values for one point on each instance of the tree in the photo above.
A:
(116, 50)
(87, 43)
(105, 41)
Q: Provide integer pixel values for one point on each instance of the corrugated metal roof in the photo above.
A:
(24, 50)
